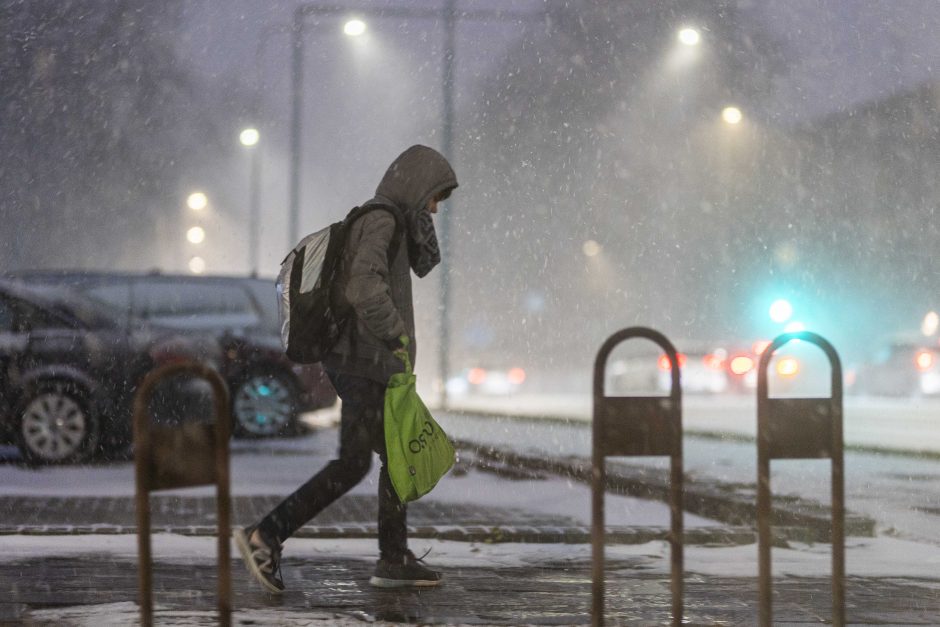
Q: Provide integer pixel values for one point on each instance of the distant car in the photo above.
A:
(268, 391)
(703, 370)
(69, 369)
(797, 369)
(486, 381)
(903, 368)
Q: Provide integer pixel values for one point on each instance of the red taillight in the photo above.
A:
(924, 360)
(742, 364)
(516, 376)
(476, 376)
(665, 364)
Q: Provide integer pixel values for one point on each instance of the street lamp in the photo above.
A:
(781, 310)
(591, 248)
(197, 265)
(930, 324)
(354, 28)
(732, 115)
(197, 201)
(249, 138)
(196, 235)
(689, 36)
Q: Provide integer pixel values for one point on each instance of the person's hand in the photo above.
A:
(401, 348)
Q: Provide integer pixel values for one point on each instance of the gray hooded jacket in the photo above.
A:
(379, 292)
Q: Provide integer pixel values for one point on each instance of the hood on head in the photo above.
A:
(416, 176)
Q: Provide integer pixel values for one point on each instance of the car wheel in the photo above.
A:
(55, 424)
(264, 404)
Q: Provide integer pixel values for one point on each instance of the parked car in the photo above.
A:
(486, 381)
(902, 368)
(268, 391)
(69, 369)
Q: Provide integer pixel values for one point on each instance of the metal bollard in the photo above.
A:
(636, 426)
(800, 428)
(167, 457)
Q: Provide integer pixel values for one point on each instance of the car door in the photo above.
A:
(12, 346)
(51, 338)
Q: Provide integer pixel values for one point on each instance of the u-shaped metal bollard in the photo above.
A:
(800, 428)
(168, 457)
(636, 426)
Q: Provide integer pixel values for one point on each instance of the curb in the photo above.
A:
(732, 504)
(688, 432)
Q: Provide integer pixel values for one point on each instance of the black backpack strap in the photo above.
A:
(397, 236)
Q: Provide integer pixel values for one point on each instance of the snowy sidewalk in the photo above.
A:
(56, 581)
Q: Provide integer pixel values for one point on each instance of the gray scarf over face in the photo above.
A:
(414, 178)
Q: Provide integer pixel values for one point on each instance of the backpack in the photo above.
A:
(311, 306)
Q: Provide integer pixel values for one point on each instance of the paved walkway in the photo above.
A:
(327, 590)
(353, 516)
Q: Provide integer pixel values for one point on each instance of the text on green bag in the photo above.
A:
(420, 443)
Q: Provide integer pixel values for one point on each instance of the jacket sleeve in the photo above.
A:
(367, 287)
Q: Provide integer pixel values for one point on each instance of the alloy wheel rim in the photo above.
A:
(54, 426)
(263, 405)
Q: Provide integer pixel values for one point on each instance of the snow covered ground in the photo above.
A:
(277, 467)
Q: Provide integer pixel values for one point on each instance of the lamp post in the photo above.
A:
(249, 138)
(448, 16)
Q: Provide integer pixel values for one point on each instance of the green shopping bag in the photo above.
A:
(419, 453)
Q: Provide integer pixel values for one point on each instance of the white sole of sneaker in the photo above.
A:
(241, 541)
(382, 582)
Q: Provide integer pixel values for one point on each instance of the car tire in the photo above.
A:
(55, 424)
(265, 404)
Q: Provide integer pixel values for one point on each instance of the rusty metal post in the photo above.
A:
(800, 428)
(187, 456)
(636, 426)
(142, 456)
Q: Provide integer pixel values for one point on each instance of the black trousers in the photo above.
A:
(362, 431)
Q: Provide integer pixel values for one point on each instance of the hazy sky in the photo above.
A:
(839, 52)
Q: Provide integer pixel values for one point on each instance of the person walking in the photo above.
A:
(384, 246)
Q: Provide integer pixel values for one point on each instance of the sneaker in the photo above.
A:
(263, 562)
(409, 573)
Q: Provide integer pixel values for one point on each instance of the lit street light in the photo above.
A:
(591, 248)
(354, 28)
(781, 310)
(197, 201)
(689, 36)
(196, 235)
(249, 137)
(197, 265)
(930, 324)
(732, 115)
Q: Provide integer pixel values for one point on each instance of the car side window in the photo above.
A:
(118, 295)
(190, 304)
(32, 318)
